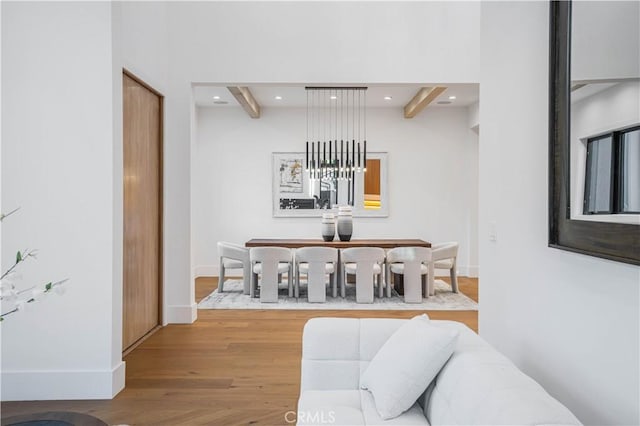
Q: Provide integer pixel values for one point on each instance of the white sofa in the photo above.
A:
(477, 386)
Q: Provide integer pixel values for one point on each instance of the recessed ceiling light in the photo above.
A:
(216, 97)
(334, 97)
(387, 98)
(278, 98)
(452, 97)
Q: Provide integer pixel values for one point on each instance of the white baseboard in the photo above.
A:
(206, 271)
(118, 378)
(463, 271)
(469, 271)
(181, 314)
(214, 271)
(59, 385)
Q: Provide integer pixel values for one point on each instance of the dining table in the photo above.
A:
(385, 243)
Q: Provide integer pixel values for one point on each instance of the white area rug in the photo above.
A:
(232, 298)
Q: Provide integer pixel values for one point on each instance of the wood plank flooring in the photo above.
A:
(231, 367)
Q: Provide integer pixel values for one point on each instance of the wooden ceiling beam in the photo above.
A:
(424, 97)
(246, 100)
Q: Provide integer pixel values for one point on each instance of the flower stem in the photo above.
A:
(21, 259)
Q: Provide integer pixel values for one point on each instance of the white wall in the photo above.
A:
(57, 165)
(144, 41)
(432, 179)
(568, 320)
(329, 42)
(474, 117)
(612, 109)
(142, 48)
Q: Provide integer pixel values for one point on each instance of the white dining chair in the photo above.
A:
(268, 264)
(413, 264)
(365, 263)
(316, 263)
(234, 256)
(444, 257)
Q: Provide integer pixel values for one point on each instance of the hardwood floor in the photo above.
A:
(231, 367)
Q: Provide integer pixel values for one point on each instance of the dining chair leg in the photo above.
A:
(425, 289)
(246, 278)
(221, 276)
(343, 291)
(297, 281)
(386, 277)
(338, 272)
(430, 280)
(290, 280)
(454, 277)
(334, 286)
(254, 285)
(380, 289)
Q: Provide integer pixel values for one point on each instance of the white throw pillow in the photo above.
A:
(405, 365)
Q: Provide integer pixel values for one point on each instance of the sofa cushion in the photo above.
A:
(354, 407)
(480, 386)
(405, 365)
(341, 349)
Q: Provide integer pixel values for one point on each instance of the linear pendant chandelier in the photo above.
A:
(336, 138)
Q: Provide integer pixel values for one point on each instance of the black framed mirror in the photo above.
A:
(598, 236)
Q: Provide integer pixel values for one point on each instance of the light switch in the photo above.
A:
(493, 231)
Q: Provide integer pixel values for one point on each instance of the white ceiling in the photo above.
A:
(296, 95)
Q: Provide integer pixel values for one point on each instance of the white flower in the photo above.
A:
(60, 290)
(7, 284)
(12, 278)
(37, 294)
(7, 290)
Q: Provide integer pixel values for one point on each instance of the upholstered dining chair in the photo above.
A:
(234, 256)
(365, 263)
(316, 263)
(413, 264)
(444, 257)
(269, 263)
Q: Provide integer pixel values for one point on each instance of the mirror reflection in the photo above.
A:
(605, 111)
(372, 185)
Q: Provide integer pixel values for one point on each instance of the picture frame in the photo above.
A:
(289, 185)
(294, 195)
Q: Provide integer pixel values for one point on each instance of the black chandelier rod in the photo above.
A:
(352, 134)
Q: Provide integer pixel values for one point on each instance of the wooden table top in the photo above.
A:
(297, 243)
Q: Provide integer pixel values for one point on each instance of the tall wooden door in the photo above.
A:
(142, 139)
